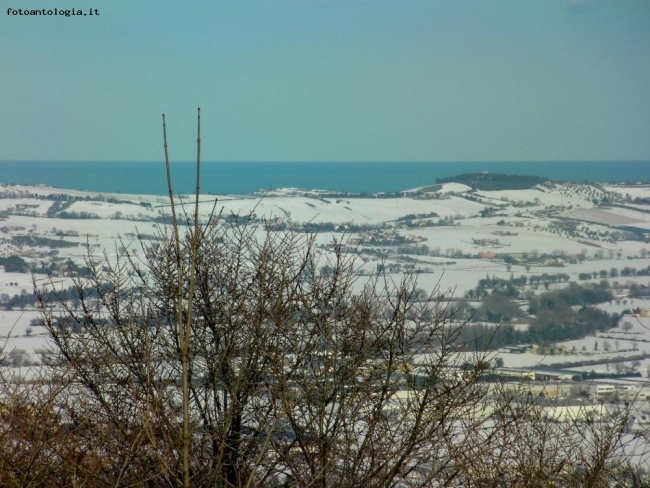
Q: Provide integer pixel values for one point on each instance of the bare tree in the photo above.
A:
(292, 374)
(539, 442)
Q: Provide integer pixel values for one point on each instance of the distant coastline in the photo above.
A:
(248, 177)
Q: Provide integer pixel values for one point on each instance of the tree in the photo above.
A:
(288, 367)
(497, 307)
(14, 264)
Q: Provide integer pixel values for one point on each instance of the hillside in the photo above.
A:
(494, 181)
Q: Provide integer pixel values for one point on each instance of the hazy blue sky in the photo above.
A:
(328, 80)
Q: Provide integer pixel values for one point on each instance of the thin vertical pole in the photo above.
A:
(190, 306)
(182, 343)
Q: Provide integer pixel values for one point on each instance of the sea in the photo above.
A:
(149, 177)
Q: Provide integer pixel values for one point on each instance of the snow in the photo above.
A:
(614, 217)
(15, 323)
(528, 216)
(454, 188)
(637, 191)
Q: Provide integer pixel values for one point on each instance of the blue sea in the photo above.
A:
(247, 177)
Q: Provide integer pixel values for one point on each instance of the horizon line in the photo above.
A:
(321, 161)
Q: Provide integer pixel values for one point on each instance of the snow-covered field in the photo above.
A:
(524, 222)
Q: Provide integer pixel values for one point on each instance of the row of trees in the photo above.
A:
(512, 287)
(614, 273)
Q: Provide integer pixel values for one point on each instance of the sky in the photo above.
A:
(327, 80)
